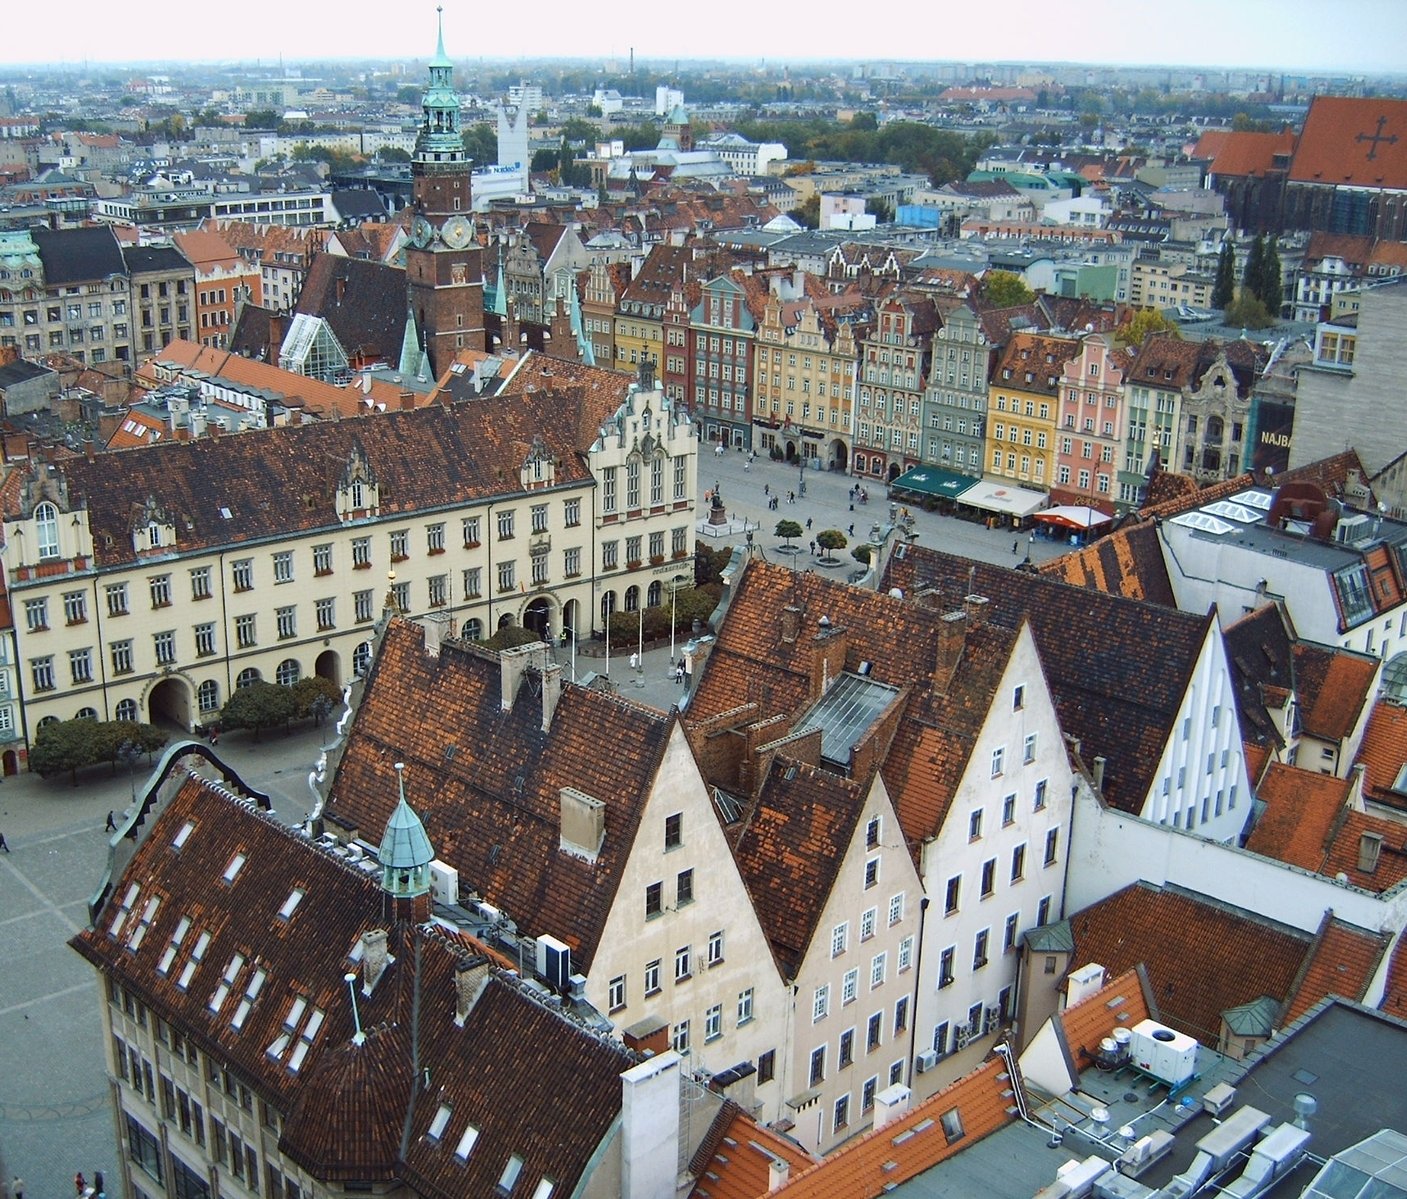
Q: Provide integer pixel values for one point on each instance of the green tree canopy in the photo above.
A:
(70, 745)
(1224, 290)
(259, 706)
(1255, 265)
(1003, 289)
(808, 212)
(1271, 285)
(510, 636)
(831, 540)
(481, 143)
(1248, 311)
(1143, 323)
(787, 529)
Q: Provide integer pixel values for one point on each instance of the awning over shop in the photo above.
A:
(1004, 498)
(931, 480)
(1074, 516)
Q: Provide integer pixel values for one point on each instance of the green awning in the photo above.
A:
(932, 480)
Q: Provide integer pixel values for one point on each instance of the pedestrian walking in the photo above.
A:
(634, 661)
(852, 530)
(79, 1185)
(813, 544)
(766, 489)
(17, 1187)
(111, 826)
(98, 1188)
(1015, 545)
(808, 524)
(3, 844)
(791, 497)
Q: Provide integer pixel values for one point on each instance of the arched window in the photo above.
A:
(126, 709)
(608, 605)
(632, 599)
(208, 695)
(46, 524)
(1215, 429)
(246, 676)
(653, 595)
(87, 714)
(472, 629)
(361, 659)
(288, 673)
(48, 720)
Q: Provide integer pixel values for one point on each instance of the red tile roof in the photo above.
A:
(1383, 753)
(1333, 687)
(1353, 141)
(1302, 809)
(1342, 961)
(1121, 1003)
(739, 1161)
(1128, 562)
(1238, 154)
(1201, 957)
(1395, 991)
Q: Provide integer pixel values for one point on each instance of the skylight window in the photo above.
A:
(466, 1143)
(176, 938)
(235, 866)
(137, 935)
(202, 943)
(544, 1189)
(251, 993)
(508, 1179)
(306, 1039)
(124, 909)
(300, 1029)
(437, 1125)
(182, 834)
(290, 905)
(222, 992)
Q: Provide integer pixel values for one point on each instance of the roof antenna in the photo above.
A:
(360, 1037)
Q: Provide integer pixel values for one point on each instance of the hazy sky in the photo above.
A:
(1336, 35)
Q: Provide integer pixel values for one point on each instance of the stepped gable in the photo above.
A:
(752, 662)
(276, 482)
(362, 301)
(180, 894)
(1128, 562)
(488, 782)
(1117, 668)
(1201, 957)
(1332, 686)
(791, 849)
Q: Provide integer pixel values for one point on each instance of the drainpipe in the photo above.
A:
(918, 979)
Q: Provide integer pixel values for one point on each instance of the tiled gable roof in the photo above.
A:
(1302, 809)
(487, 783)
(738, 1163)
(1332, 686)
(1260, 652)
(1043, 358)
(362, 301)
(1395, 990)
(790, 850)
(1383, 753)
(1341, 854)
(1128, 562)
(598, 390)
(274, 482)
(1201, 957)
(1342, 961)
(1118, 669)
(1239, 154)
(658, 275)
(885, 1157)
(1353, 141)
(1121, 1003)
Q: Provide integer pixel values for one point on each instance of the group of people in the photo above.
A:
(858, 495)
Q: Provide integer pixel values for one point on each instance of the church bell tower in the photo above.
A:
(444, 264)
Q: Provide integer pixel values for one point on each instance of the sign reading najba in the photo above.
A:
(1275, 422)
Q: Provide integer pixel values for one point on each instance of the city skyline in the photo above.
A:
(1270, 35)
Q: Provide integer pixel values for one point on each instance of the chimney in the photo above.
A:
(976, 606)
(649, 1036)
(891, 1104)
(341, 290)
(470, 979)
(583, 823)
(1099, 763)
(791, 624)
(512, 664)
(827, 656)
(1370, 845)
(551, 690)
(215, 429)
(407, 401)
(650, 1128)
(778, 1174)
(88, 449)
(952, 636)
(375, 958)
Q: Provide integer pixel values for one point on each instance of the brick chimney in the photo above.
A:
(470, 979)
(375, 958)
(827, 656)
(791, 624)
(952, 637)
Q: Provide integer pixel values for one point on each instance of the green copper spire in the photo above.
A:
(441, 59)
(439, 140)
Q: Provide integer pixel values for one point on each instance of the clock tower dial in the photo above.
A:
(444, 265)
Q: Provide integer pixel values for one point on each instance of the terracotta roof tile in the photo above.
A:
(1347, 140)
(1239, 154)
(1302, 809)
(1201, 957)
(1128, 562)
(1342, 961)
(738, 1167)
(1395, 990)
(492, 807)
(362, 301)
(1333, 686)
(1092, 1019)
(1342, 855)
(1383, 753)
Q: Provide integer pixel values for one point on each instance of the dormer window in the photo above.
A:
(46, 526)
(358, 495)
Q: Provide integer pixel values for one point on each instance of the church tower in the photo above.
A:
(444, 264)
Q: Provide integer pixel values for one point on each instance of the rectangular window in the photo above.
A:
(879, 965)
(817, 1073)
(121, 657)
(322, 560)
(654, 900)
(652, 977)
(615, 993)
(867, 923)
(745, 1010)
(840, 936)
(609, 554)
(80, 665)
(116, 599)
(608, 489)
(75, 607)
(715, 947)
(989, 877)
(896, 908)
(244, 632)
(160, 591)
(505, 525)
(684, 888)
(847, 1049)
(1018, 863)
(821, 1003)
(874, 1032)
(683, 963)
(674, 830)
(871, 873)
(287, 622)
(1043, 911)
(435, 538)
(283, 566)
(325, 609)
(680, 1040)
(1052, 843)
(1008, 811)
(713, 1022)
(361, 553)
(974, 825)
(1028, 754)
(506, 576)
(571, 513)
(204, 640)
(979, 949)
(473, 582)
(400, 545)
(952, 894)
(537, 516)
(998, 761)
(842, 1112)
(767, 1066)
(901, 1015)
(906, 952)
(242, 574)
(165, 646)
(946, 961)
(850, 986)
(571, 562)
(1040, 795)
(362, 602)
(36, 615)
(1009, 932)
(437, 590)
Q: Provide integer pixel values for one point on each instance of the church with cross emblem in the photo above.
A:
(1349, 169)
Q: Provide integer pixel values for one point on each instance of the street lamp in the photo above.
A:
(673, 604)
(801, 482)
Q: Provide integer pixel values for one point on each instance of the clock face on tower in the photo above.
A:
(421, 231)
(458, 232)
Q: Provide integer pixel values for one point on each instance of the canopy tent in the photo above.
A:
(932, 481)
(1074, 516)
(1003, 498)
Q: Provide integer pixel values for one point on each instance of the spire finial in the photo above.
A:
(400, 779)
(440, 22)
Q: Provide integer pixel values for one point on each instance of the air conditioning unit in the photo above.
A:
(993, 1018)
(963, 1036)
(444, 882)
(554, 963)
(926, 1061)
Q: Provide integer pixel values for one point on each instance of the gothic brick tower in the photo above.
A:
(444, 264)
